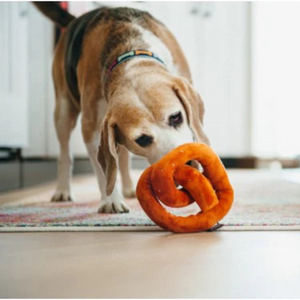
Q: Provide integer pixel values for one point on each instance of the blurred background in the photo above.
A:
(245, 62)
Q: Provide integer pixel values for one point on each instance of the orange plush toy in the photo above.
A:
(211, 190)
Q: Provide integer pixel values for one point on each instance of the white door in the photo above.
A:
(13, 75)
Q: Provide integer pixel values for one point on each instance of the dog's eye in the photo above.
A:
(175, 119)
(144, 140)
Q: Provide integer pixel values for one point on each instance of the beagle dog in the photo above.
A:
(127, 75)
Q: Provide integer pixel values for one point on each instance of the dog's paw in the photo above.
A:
(62, 196)
(129, 192)
(113, 207)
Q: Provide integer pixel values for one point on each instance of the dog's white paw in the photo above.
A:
(113, 207)
(62, 196)
(129, 192)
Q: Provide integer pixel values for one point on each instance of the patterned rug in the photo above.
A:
(263, 201)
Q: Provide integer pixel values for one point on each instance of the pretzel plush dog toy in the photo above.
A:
(211, 190)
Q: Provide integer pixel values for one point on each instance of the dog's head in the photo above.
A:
(150, 120)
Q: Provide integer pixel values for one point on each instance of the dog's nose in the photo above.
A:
(189, 163)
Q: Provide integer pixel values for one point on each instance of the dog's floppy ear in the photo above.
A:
(193, 106)
(107, 153)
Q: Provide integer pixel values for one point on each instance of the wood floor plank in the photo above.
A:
(152, 264)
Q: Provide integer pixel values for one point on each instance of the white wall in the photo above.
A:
(276, 73)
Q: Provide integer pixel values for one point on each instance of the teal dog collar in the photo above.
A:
(131, 54)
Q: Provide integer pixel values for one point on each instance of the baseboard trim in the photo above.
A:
(28, 172)
(25, 172)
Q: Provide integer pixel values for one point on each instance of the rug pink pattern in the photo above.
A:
(262, 201)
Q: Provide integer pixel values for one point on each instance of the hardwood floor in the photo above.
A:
(150, 264)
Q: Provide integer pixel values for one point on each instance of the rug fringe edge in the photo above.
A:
(139, 228)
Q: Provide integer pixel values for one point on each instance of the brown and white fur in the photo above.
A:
(137, 98)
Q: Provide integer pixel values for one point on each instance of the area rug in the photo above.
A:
(263, 201)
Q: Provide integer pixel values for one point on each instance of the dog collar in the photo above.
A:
(131, 54)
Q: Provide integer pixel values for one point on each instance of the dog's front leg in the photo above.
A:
(124, 164)
(109, 204)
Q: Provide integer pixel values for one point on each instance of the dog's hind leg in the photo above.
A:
(65, 117)
(124, 164)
